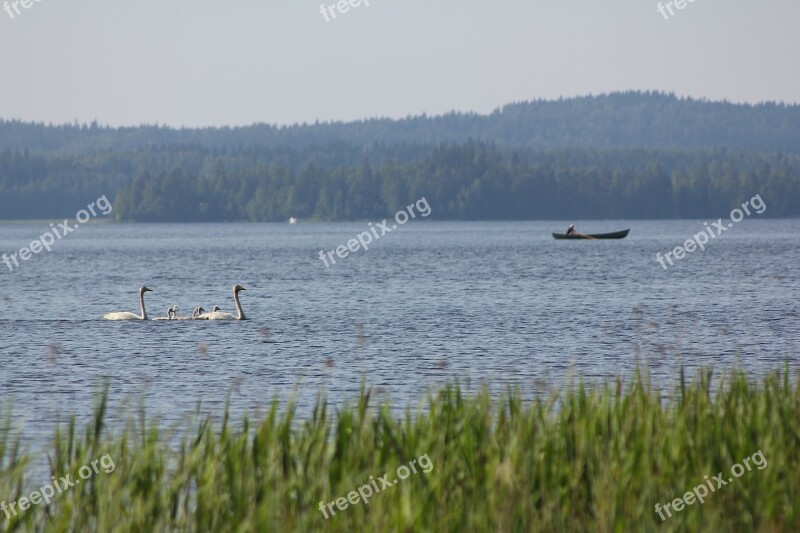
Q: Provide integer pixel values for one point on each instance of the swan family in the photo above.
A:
(198, 313)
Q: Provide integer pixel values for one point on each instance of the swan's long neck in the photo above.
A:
(141, 306)
(239, 312)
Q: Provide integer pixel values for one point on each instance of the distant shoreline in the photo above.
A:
(302, 222)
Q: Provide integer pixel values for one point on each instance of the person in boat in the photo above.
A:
(571, 229)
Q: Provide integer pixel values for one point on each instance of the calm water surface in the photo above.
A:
(495, 303)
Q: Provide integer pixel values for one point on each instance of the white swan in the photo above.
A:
(219, 315)
(131, 316)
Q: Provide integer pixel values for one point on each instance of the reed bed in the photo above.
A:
(583, 458)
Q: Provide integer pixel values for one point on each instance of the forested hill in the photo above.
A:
(618, 120)
(626, 155)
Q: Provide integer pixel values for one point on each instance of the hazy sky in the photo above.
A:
(203, 62)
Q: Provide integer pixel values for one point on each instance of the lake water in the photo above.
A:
(497, 303)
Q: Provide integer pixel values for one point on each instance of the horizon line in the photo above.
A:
(423, 115)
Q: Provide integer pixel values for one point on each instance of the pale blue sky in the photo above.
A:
(202, 62)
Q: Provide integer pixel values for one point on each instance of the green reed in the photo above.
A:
(584, 458)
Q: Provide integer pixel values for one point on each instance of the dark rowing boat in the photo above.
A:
(615, 235)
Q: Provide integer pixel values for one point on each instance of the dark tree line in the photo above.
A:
(476, 181)
(468, 181)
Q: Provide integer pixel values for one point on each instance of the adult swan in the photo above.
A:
(220, 315)
(130, 316)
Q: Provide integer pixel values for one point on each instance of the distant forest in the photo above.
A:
(624, 155)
